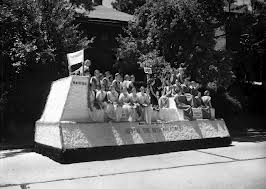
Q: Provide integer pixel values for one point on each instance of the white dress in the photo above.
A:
(170, 112)
(124, 100)
(113, 111)
(146, 108)
(96, 115)
(136, 113)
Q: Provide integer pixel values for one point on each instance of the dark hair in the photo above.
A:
(126, 76)
(206, 92)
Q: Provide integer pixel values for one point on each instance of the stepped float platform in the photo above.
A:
(64, 134)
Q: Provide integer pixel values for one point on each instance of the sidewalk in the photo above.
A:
(241, 165)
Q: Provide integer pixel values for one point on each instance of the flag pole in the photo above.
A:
(83, 68)
(69, 71)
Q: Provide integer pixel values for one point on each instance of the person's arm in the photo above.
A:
(108, 97)
(120, 99)
(176, 101)
(131, 99)
(164, 91)
(157, 95)
(168, 91)
(152, 92)
(210, 103)
(98, 93)
(171, 78)
(147, 99)
(90, 104)
(99, 100)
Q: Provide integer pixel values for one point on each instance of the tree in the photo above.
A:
(128, 6)
(181, 32)
(35, 37)
(249, 57)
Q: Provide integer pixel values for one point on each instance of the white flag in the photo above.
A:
(75, 58)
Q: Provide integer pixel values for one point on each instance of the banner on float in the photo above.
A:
(75, 57)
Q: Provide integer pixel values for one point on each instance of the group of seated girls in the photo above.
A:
(118, 100)
(185, 94)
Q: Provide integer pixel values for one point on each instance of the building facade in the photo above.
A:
(104, 24)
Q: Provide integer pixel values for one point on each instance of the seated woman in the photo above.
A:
(144, 101)
(124, 101)
(198, 101)
(164, 99)
(153, 90)
(136, 112)
(186, 90)
(105, 83)
(113, 111)
(101, 97)
(94, 84)
(131, 83)
(182, 103)
(149, 111)
(166, 88)
(169, 111)
(194, 86)
(90, 101)
(207, 106)
(117, 83)
(206, 99)
(95, 113)
(126, 82)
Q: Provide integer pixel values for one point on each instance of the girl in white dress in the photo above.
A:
(124, 101)
(91, 102)
(95, 112)
(101, 97)
(144, 102)
(136, 112)
(148, 110)
(113, 111)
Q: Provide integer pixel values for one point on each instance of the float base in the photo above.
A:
(73, 142)
(118, 152)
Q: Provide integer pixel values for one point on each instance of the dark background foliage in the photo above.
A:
(35, 38)
(36, 35)
(182, 32)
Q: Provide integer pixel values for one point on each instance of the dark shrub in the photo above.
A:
(226, 106)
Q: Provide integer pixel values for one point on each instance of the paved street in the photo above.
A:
(242, 165)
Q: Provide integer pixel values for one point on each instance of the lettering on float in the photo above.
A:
(148, 130)
(79, 83)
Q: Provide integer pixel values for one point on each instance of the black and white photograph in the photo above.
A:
(133, 94)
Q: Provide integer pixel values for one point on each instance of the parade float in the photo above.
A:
(65, 131)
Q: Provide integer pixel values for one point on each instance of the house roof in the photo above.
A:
(237, 9)
(239, 6)
(101, 12)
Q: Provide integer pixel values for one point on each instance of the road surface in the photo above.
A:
(242, 165)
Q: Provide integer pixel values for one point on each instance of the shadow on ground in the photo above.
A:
(12, 153)
(249, 135)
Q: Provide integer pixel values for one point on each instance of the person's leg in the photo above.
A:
(206, 113)
(188, 114)
(118, 113)
(147, 114)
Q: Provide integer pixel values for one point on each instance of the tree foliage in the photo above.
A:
(128, 6)
(180, 32)
(35, 37)
(252, 49)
